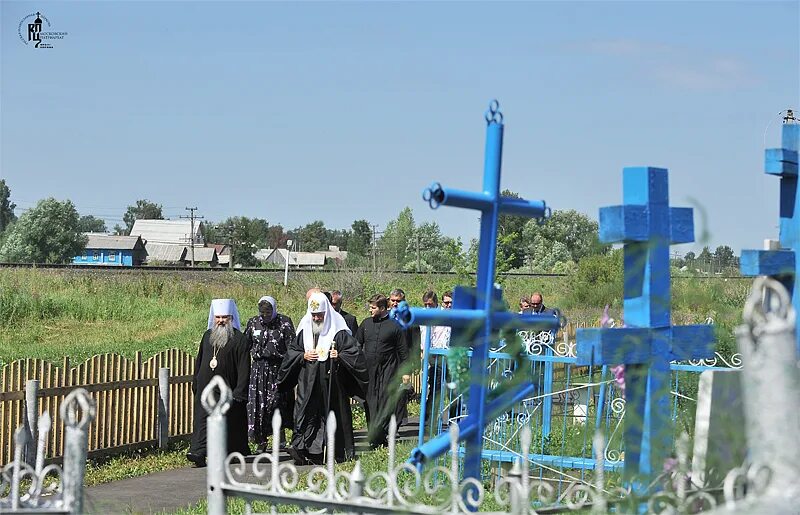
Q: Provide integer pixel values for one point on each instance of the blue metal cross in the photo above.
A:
(478, 308)
(782, 264)
(647, 226)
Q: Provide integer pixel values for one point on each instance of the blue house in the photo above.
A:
(105, 249)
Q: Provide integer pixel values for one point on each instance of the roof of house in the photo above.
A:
(202, 255)
(165, 252)
(221, 248)
(262, 254)
(111, 242)
(167, 231)
(297, 258)
(334, 254)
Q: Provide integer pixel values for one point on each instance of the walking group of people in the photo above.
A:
(308, 372)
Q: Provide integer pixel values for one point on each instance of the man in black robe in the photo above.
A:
(350, 320)
(328, 367)
(413, 341)
(223, 352)
(385, 347)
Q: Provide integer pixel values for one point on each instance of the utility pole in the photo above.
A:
(192, 218)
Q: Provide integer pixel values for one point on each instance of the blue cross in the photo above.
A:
(782, 264)
(647, 226)
(478, 308)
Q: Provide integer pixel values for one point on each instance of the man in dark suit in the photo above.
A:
(537, 306)
(336, 303)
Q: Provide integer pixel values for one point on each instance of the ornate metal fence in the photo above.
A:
(403, 488)
(26, 488)
(569, 405)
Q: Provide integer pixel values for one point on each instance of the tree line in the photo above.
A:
(53, 232)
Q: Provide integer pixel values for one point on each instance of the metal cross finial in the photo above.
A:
(493, 114)
(646, 225)
(216, 397)
(78, 398)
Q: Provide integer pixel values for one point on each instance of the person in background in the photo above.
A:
(439, 340)
(336, 302)
(385, 347)
(267, 335)
(537, 306)
(328, 367)
(524, 303)
(223, 352)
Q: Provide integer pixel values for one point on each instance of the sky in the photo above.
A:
(338, 111)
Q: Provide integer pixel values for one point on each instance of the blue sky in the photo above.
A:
(337, 111)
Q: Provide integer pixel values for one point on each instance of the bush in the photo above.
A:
(597, 281)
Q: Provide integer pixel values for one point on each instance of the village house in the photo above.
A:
(106, 249)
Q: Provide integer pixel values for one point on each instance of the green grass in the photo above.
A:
(137, 464)
(50, 314)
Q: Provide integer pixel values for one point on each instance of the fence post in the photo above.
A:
(31, 420)
(547, 401)
(217, 441)
(76, 446)
(163, 408)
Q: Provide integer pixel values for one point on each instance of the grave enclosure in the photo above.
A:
(551, 428)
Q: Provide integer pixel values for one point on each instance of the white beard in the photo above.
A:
(316, 328)
(220, 334)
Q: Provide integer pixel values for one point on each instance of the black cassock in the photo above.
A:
(233, 365)
(350, 320)
(312, 403)
(386, 349)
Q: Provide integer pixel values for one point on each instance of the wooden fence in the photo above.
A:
(125, 392)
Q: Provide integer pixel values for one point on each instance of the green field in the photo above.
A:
(50, 314)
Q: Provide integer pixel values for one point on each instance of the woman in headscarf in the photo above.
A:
(268, 335)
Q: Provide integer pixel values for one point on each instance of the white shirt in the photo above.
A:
(440, 337)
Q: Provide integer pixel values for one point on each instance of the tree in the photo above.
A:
(311, 236)
(395, 238)
(360, 238)
(88, 223)
(704, 260)
(142, 210)
(510, 250)
(436, 252)
(575, 230)
(725, 258)
(118, 230)
(48, 233)
(6, 206)
(244, 235)
(276, 237)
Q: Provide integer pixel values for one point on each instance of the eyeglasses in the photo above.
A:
(430, 305)
(447, 302)
(536, 304)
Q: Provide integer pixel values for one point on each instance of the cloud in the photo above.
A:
(622, 47)
(694, 69)
(706, 74)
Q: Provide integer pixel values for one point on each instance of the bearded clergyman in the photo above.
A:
(223, 352)
(328, 367)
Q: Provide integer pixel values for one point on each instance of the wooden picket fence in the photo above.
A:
(125, 392)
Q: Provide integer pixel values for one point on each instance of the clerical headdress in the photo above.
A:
(333, 323)
(224, 307)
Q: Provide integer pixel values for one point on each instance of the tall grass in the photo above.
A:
(50, 314)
